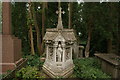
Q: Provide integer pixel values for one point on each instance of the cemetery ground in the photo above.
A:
(85, 68)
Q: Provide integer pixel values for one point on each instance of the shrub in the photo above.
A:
(28, 72)
(88, 68)
(34, 60)
(1, 76)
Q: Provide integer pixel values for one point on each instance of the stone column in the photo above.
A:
(63, 57)
(55, 50)
(71, 53)
(6, 17)
(55, 47)
(47, 52)
(11, 46)
(76, 50)
(80, 52)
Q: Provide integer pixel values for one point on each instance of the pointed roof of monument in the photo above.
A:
(52, 33)
(68, 34)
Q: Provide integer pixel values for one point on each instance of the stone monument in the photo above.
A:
(10, 45)
(59, 46)
(110, 64)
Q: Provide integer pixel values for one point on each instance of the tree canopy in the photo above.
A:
(93, 22)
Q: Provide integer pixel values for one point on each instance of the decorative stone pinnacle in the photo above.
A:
(60, 25)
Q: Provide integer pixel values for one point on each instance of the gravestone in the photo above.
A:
(59, 46)
(78, 50)
(10, 45)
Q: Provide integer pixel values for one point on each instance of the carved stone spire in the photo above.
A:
(60, 25)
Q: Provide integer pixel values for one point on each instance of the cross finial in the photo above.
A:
(60, 25)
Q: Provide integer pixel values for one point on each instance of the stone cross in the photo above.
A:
(60, 25)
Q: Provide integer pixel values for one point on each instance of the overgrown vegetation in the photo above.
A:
(32, 69)
(88, 68)
(1, 76)
(29, 73)
(34, 60)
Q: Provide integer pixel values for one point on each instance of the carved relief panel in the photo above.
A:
(67, 53)
(50, 53)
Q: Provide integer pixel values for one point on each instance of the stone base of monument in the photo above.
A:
(55, 72)
(11, 52)
(10, 66)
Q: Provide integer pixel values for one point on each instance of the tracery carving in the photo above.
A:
(67, 53)
(50, 53)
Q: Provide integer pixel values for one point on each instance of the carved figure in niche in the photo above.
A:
(59, 53)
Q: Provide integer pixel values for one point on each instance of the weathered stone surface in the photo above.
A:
(111, 58)
(110, 64)
(6, 17)
(64, 73)
(58, 56)
(68, 34)
(10, 45)
(11, 52)
(78, 50)
(59, 45)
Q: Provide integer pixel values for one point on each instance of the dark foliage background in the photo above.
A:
(105, 25)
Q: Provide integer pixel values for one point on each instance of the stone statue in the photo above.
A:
(59, 53)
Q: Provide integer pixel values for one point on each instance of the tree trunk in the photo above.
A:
(46, 5)
(109, 41)
(37, 30)
(87, 52)
(119, 29)
(43, 25)
(30, 31)
(70, 15)
(43, 18)
(31, 40)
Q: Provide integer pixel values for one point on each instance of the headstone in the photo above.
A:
(78, 50)
(10, 45)
(59, 46)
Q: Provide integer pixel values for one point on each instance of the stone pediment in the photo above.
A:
(59, 37)
(51, 34)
